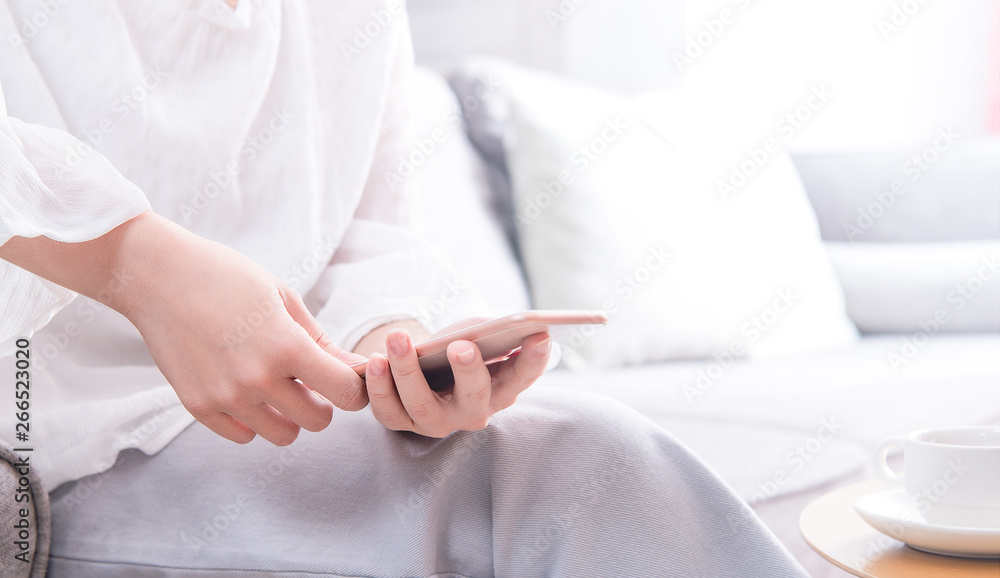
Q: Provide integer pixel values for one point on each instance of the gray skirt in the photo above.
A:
(562, 484)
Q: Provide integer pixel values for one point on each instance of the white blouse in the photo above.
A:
(270, 128)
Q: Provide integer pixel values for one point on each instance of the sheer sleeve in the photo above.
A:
(384, 270)
(51, 185)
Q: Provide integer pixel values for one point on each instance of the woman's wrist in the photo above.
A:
(98, 268)
(144, 251)
(119, 269)
(374, 342)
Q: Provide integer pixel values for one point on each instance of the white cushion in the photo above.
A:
(920, 287)
(454, 199)
(638, 229)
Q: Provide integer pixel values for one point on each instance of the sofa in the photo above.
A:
(781, 427)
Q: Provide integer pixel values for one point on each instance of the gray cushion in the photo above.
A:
(485, 121)
(955, 198)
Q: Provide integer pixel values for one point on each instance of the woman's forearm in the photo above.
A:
(191, 299)
(107, 269)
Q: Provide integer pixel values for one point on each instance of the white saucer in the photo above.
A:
(893, 513)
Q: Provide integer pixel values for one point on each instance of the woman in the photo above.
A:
(227, 159)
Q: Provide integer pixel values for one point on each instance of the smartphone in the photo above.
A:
(498, 340)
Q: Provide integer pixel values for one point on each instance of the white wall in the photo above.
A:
(890, 86)
(615, 44)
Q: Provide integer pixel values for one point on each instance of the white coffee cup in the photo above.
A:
(952, 474)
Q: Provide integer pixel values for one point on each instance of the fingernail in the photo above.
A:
(543, 347)
(466, 357)
(399, 342)
(375, 367)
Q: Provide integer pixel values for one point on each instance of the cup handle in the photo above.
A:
(881, 465)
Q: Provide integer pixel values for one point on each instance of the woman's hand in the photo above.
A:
(238, 346)
(402, 400)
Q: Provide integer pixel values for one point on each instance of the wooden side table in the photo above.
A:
(832, 528)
